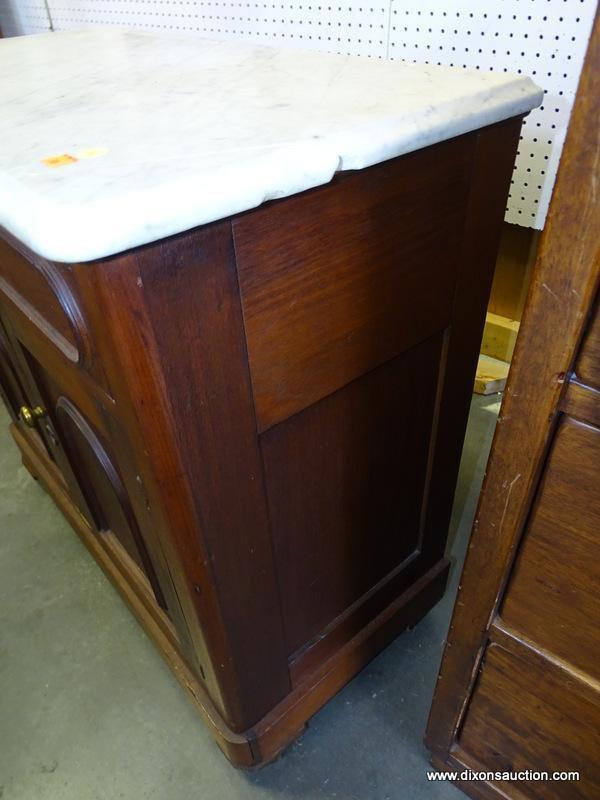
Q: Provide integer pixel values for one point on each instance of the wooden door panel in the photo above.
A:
(332, 547)
(97, 477)
(90, 471)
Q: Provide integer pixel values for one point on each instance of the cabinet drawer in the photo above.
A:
(527, 715)
(44, 306)
(587, 367)
(554, 593)
(43, 295)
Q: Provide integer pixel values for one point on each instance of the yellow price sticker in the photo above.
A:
(66, 158)
(59, 161)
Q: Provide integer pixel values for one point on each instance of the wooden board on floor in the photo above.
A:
(491, 375)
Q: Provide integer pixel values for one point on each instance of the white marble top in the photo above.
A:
(156, 134)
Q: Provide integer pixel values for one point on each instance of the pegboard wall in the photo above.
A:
(545, 39)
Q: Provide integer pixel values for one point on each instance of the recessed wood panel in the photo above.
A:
(89, 468)
(345, 483)
(99, 481)
(554, 594)
(524, 717)
(340, 279)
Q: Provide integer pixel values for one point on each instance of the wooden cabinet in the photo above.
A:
(256, 425)
(519, 685)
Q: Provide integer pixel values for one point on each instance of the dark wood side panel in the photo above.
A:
(553, 596)
(587, 367)
(368, 444)
(338, 280)
(526, 716)
(190, 289)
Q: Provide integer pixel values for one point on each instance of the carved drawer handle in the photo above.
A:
(30, 415)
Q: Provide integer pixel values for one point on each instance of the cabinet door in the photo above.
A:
(10, 385)
(75, 427)
(16, 388)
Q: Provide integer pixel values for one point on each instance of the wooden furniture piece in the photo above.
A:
(519, 684)
(255, 425)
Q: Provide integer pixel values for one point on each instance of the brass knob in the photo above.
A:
(30, 415)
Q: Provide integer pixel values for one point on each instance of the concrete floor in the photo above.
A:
(89, 711)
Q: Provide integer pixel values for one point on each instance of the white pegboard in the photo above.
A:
(23, 16)
(353, 30)
(545, 39)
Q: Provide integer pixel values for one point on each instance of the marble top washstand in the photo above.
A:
(113, 139)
